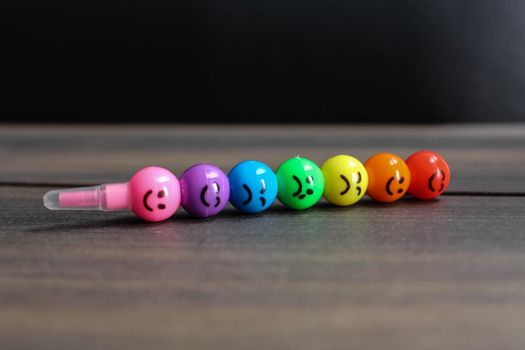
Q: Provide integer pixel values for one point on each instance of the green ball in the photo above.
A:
(301, 183)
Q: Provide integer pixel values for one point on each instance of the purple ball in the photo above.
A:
(205, 190)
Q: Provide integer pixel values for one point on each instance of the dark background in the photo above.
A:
(263, 61)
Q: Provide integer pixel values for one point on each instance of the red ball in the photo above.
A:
(429, 174)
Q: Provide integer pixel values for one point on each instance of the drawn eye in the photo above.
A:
(161, 194)
(310, 179)
(216, 187)
(263, 189)
(359, 177)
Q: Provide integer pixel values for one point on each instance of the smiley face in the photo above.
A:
(301, 183)
(216, 189)
(205, 190)
(250, 195)
(299, 193)
(430, 174)
(253, 186)
(154, 194)
(391, 180)
(160, 194)
(348, 185)
(388, 177)
(346, 180)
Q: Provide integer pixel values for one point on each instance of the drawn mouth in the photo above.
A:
(203, 196)
(145, 200)
(389, 182)
(431, 180)
(347, 183)
(299, 189)
(249, 199)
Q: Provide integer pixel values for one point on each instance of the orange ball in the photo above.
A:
(430, 174)
(388, 177)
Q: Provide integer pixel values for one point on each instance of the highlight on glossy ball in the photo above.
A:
(345, 180)
(253, 186)
(301, 183)
(154, 194)
(430, 174)
(388, 177)
(205, 190)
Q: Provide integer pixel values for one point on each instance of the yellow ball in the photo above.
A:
(345, 180)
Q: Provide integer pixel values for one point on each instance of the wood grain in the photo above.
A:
(486, 158)
(445, 274)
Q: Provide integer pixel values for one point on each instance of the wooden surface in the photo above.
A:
(446, 274)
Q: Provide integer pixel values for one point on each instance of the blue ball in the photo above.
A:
(253, 186)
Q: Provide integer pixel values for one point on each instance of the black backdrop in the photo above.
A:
(263, 60)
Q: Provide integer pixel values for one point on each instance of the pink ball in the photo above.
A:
(154, 194)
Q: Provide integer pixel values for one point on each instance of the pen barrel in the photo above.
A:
(86, 199)
(115, 196)
(108, 197)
